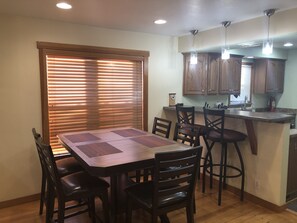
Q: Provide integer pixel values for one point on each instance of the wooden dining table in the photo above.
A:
(114, 152)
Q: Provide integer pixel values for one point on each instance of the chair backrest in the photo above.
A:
(185, 114)
(176, 175)
(37, 137)
(216, 121)
(48, 163)
(161, 127)
(186, 133)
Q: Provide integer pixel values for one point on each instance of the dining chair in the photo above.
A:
(161, 127)
(65, 166)
(172, 187)
(72, 187)
(214, 121)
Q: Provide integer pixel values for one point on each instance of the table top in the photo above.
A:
(110, 151)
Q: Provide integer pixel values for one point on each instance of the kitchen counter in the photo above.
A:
(276, 117)
(265, 151)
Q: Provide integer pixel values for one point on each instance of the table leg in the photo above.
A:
(113, 197)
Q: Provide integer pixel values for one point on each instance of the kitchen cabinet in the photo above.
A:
(269, 76)
(292, 169)
(201, 78)
(230, 75)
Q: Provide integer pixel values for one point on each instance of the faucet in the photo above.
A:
(244, 103)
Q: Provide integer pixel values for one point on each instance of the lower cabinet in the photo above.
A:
(292, 169)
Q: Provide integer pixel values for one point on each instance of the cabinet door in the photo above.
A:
(230, 76)
(260, 76)
(275, 76)
(194, 75)
(213, 74)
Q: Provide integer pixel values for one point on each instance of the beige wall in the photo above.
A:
(20, 88)
(282, 23)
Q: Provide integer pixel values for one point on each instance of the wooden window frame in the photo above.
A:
(46, 48)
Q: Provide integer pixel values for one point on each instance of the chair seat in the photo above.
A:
(67, 166)
(82, 182)
(143, 193)
(228, 137)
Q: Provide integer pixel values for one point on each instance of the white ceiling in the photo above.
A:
(138, 15)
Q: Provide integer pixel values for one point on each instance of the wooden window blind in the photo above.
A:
(91, 91)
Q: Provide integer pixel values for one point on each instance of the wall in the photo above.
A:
(20, 88)
(282, 23)
(288, 98)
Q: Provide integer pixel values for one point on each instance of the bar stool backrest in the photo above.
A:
(185, 114)
(214, 121)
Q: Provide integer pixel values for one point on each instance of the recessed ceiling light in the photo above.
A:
(250, 57)
(288, 44)
(160, 21)
(64, 5)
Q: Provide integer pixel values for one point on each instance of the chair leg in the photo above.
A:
(225, 166)
(105, 205)
(61, 210)
(210, 166)
(204, 172)
(190, 214)
(242, 170)
(91, 204)
(42, 193)
(221, 174)
(50, 200)
(129, 210)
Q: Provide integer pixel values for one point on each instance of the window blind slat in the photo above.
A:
(86, 94)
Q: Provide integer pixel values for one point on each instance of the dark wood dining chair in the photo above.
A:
(214, 121)
(172, 187)
(65, 166)
(72, 187)
(161, 127)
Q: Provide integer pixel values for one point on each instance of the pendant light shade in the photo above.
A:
(268, 43)
(194, 53)
(225, 50)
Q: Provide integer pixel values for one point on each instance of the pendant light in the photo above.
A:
(268, 44)
(194, 53)
(225, 50)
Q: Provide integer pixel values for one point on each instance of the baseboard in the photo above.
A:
(17, 201)
(252, 198)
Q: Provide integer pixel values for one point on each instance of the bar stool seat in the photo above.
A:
(216, 133)
(229, 136)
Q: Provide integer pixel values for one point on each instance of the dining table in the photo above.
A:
(114, 152)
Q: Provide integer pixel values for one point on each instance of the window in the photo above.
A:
(245, 86)
(85, 88)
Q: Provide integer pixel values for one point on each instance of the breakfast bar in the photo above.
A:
(265, 151)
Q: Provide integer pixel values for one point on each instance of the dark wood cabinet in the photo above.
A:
(292, 169)
(201, 78)
(269, 76)
(213, 73)
(230, 75)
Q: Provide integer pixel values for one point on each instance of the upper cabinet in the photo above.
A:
(201, 78)
(230, 75)
(269, 76)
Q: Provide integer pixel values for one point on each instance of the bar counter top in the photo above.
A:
(276, 117)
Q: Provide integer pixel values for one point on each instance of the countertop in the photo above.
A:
(276, 117)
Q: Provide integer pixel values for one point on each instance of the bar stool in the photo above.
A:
(186, 115)
(218, 134)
